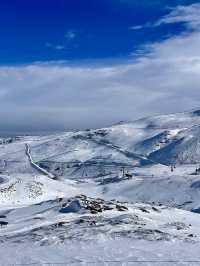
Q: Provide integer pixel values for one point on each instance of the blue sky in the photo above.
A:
(78, 30)
(91, 63)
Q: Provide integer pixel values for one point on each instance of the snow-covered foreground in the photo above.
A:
(86, 230)
(103, 252)
(124, 195)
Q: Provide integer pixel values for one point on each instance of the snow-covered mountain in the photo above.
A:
(133, 181)
(145, 147)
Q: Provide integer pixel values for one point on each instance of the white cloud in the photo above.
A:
(137, 27)
(70, 35)
(59, 47)
(190, 15)
(54, 96)
(140, 27)
(55, 47)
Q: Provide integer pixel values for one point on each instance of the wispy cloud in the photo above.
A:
(189, 15)
(70, 35)
(54, 46)
(69, 38)
(59, 47)
(139, 27)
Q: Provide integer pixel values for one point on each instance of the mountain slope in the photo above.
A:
(185, 149)
(103, 196)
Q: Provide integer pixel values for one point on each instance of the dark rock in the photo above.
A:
(155, 209)
(60, 224)
(107, 208)
(121, 208)
(92, 223)
(94, 212)
(60, 199)
(144, 210)
(2, 223)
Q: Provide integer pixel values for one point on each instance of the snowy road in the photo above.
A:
(34, 165)
(125, 152)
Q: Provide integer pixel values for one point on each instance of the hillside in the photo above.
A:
(133, 182)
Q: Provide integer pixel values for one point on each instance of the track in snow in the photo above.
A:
(128, 154)
(36, 166)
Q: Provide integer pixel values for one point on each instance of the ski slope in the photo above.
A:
(126, 193)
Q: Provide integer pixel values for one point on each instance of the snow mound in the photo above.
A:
(73, 206)
(25, 190)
